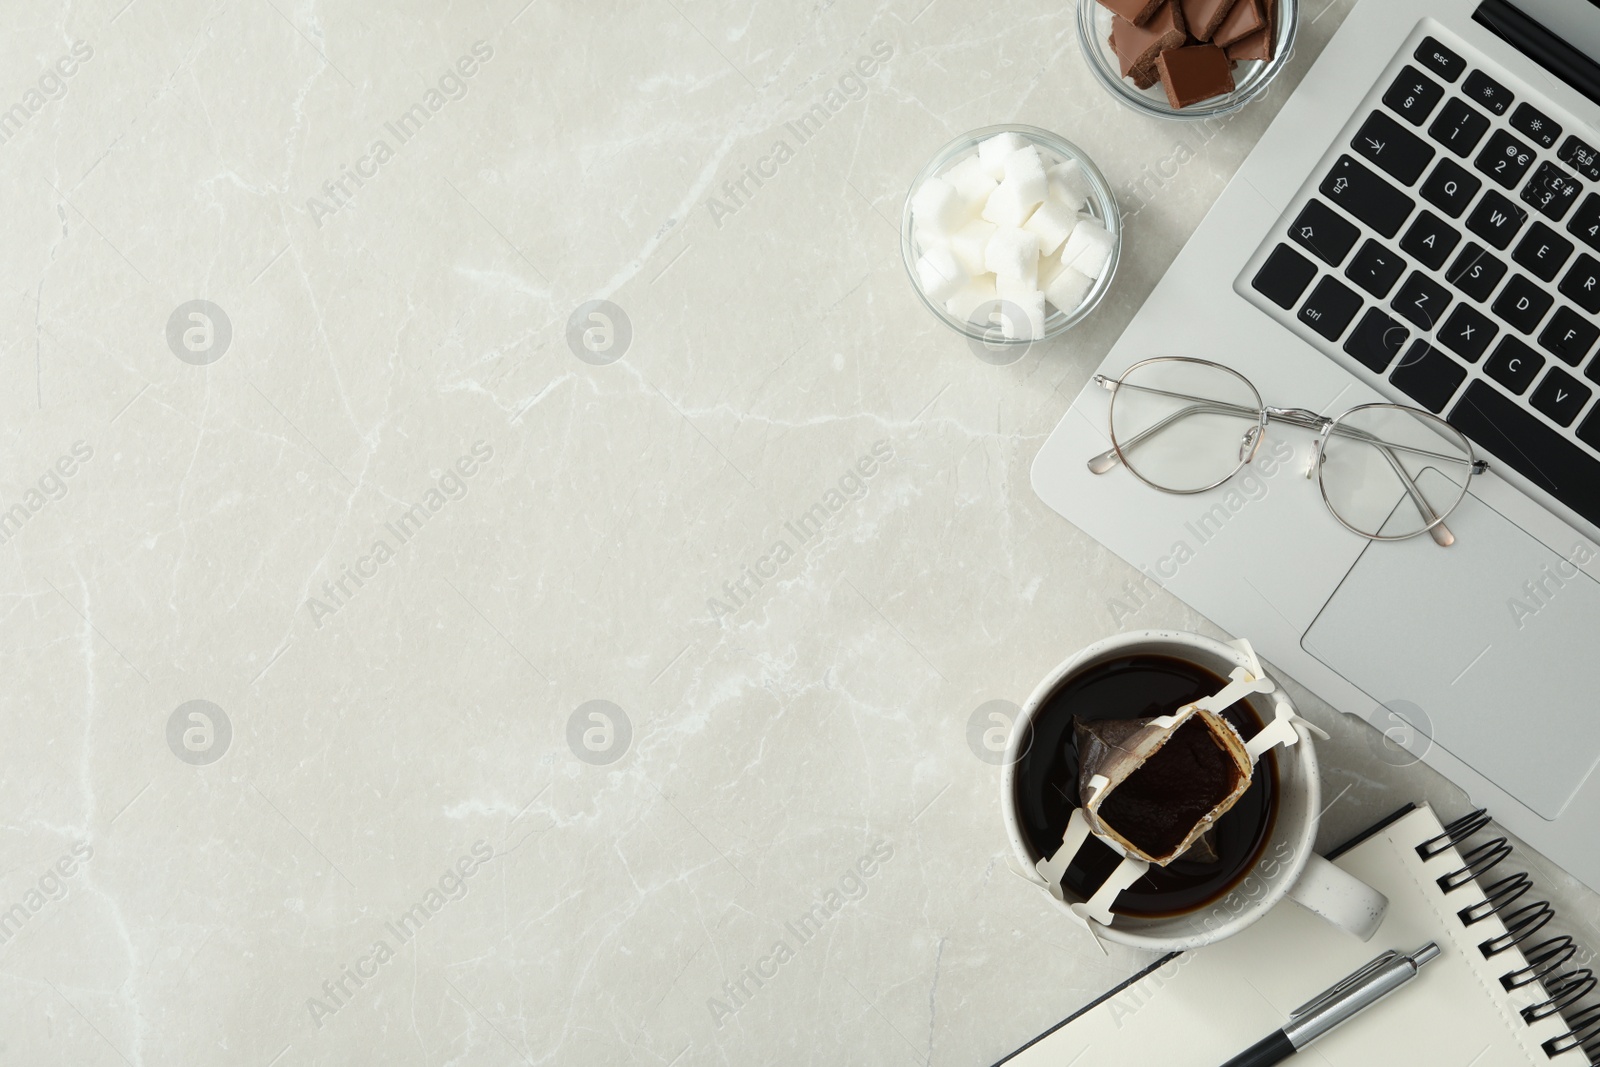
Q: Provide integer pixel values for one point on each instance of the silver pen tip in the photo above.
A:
(1425, 953)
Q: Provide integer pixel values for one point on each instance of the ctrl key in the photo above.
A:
(1330, 308)
(1284, 276)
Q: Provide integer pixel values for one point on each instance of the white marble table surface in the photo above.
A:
(386, 361)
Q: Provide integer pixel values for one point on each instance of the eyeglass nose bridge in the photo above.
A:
(1299, 417)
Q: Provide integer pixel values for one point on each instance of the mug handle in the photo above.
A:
(1339, 897)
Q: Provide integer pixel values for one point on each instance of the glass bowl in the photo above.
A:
(1101, 204)
(1250, 77)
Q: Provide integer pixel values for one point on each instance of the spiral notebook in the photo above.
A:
(1501, 993)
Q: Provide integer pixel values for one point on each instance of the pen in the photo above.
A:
(1349, 997)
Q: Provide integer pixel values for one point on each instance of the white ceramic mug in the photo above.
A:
(1287, 866)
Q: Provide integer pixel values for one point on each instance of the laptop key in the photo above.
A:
(1569, 336)
(1428, 376)
(1439, 59)
(1589, 429)
(1513, 364)
(1324, 232)
(1467, 332)
(1459, 127)
(1330, 308)
(1505, 159)
(1560, 396)
(1421, 300)
(1521, 440)
(1370, 198)
(1496, 219)
(1537, 125)
(1376, 340)
(1430, 240)
(1393, 148)
(1523, 303)
(1582, 283)
(1486, 92)
(1542, 251)
(1552, 190)
(1581, 158)
(1284, 276)
(1585, 225)
(1376, 268)
(1475, 272)
(1450, 188)
(1413, 96)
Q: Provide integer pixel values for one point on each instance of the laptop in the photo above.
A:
(1420, 224)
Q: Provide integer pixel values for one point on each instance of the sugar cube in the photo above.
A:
(1013, 252)
(1017, 289)
(972, 183)
(1030, 324)
(1068, 288)
(972, 297)
(1052, 222)
(1069, 185)
(995, 150)
(1025, 169)
(940, 274)
(1088, 248)
(969, 244)
(937, 207)
(1049, 267)
(1009, 204)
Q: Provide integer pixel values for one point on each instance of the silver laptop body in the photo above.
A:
(1482, 658)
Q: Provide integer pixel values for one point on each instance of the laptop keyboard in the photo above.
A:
(1449, 249)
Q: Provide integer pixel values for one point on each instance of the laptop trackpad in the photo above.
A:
(1492, 638)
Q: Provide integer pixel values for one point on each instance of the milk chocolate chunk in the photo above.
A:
(1258, 45)
(1138, 46)
(1137, 12)
(1245, 18)
(1195, 73)
(1157, 806)
(1204, 16)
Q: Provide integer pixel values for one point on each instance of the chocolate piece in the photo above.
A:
(1138, 46)
(1204, 16)
(1258, 45)
(1196, 73)
(1137, 12)
(1245, 18)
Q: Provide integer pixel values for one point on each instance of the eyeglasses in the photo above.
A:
(1386, 471)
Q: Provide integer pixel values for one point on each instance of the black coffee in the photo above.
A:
(1046, 784)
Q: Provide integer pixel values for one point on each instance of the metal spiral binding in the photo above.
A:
(1543, 959)
(1496, 898)
(1520, 925)
(1479, 861)
(1459, 830)
(1584, 1034)
(1564, 991)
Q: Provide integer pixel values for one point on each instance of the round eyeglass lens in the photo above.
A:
(1184, 425)
(1392, 472)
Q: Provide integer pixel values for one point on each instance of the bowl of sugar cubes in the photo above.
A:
(1186, 59)
(1010, 235)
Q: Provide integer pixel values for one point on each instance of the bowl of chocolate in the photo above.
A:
(1186, 59)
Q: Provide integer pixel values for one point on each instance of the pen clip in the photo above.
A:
(1344, 984)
